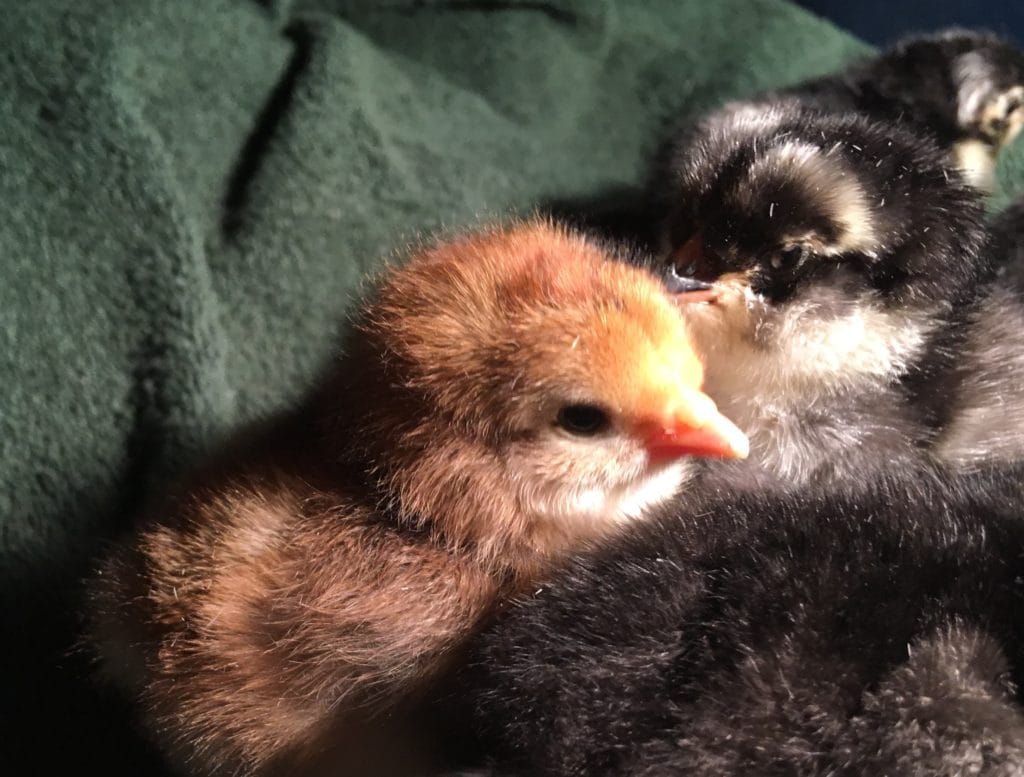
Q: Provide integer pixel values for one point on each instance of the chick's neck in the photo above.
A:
(422, 475)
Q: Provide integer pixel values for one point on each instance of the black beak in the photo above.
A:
(680, 284)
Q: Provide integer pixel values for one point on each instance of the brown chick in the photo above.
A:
(502, 400)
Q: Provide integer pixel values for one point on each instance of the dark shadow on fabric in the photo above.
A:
(58, 720)
(621, 215)
(552, 11)
(256, 144)
(55, 720)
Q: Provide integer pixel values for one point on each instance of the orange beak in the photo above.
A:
(699, 430)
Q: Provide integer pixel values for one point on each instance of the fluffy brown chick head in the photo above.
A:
(571, 376)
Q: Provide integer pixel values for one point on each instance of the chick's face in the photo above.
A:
(605, 412)
(572, 373)
(782, 219)
(782, 256)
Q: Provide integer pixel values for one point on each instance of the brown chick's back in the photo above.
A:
(502, 399)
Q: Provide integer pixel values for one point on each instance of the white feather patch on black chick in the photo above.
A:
(873, 631)
(832, 258)
(964, 88)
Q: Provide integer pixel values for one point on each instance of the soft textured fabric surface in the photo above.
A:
(191, 190)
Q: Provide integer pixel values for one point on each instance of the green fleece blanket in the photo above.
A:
(192, 189)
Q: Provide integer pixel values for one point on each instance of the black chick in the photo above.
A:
(961, 89)
(985, 417)
(833, 259)
(964, 88)
(871, 631)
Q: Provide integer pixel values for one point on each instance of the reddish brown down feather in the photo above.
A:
(325, 566)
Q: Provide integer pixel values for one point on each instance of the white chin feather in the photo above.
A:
(804, 355)
(597, 508)
(636, 499)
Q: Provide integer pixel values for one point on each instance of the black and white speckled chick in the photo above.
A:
(871, 633)
(964, 88)
(831, 260)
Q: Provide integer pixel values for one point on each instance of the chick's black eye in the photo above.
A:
(583, 420)
(787, 257)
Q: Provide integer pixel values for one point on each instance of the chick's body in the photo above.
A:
(871, 631)
(830, 260)
(962, 88)
(479, 425)
(252, 621)
(985, 420)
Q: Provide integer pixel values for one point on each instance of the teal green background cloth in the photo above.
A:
(191, 191)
